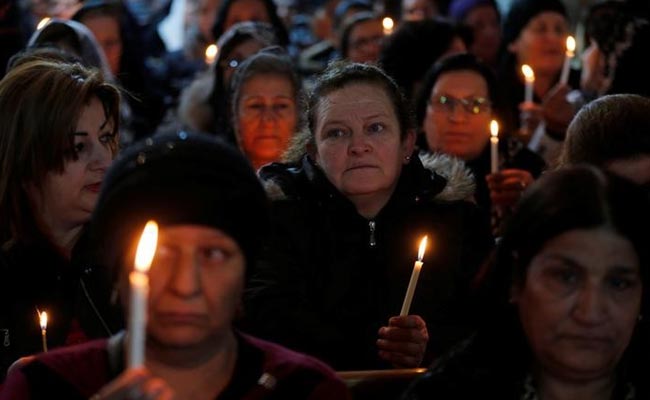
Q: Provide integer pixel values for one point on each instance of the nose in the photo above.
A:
(359, 145)
(101, 158)
(186, 278)
(457, 113)
(268, 114)
(590, 308)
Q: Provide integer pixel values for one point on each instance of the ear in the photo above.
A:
(513, 46)
(408, 144)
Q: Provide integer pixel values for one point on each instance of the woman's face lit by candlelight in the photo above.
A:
(196, 282)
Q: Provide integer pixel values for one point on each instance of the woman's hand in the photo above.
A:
(558, 112)
(404, 341)
(135, 384)
(507, 186)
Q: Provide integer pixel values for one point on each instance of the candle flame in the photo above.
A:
(146, 247)
(388, 23)
(528, 73)
(42, 23)
(42, 316)
(570, 46)
(494, 128)
(423, 246)
(211, 53)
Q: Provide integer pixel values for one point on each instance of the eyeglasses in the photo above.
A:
(472, 105)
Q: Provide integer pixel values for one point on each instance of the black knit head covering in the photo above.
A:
(178, 178)
(522, 11)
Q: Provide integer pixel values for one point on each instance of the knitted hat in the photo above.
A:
(179, 178)
(522, 11)
(458, 9)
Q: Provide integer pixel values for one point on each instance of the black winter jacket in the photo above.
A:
(331, 278)
(75, 296)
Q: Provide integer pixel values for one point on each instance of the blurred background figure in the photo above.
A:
(418, 10)
(234, 11)
(614, 60)
(484, 19)
(361, 37)
(205, 105)
(58, 135)
(566, 295)
(535, 33)
(612, 132)
(415, 46)
(266, 95)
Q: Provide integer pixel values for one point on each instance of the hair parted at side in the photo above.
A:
(40, 104)
(339, 75)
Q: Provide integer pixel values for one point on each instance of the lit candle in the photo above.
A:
(139, 281)
(494, 145)
(570, 48)
(529, 76)
(42, 316)
(414, 278)
(388, 25)
(211, 53)
(42, 23)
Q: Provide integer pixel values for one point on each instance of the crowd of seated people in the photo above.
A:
(386, 198)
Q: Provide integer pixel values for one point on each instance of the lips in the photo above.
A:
(359, 167)
(94, 187)
(181, 318)
(588, 340)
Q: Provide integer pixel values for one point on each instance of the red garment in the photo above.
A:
(263, 371)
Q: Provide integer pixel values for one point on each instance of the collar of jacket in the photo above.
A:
(431, 177)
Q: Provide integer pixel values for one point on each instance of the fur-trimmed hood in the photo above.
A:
(459, 186)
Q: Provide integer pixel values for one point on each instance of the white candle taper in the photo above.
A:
(570, 49)
(139, 281)
(414, 278)
(529, 77)
(494, 146)
(42, 317)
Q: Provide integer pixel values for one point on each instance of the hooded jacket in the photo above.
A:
(330, 278)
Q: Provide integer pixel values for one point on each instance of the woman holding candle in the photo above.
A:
(459, 99)
(212, 215)
(565, 302)
(535, 34)
(348, 214)
(58, 135)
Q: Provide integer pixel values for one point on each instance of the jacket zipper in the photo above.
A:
(371, 226)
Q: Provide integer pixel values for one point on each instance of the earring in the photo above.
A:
(407, 158)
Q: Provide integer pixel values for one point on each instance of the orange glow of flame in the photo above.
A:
(423, 247)
(494, 128)
(570, 46)
(146, 247)
(528, 73)
(42, 316)
(211, 53)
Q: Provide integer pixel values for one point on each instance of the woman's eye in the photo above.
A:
(79, 147)
(620, 283)
(334, 133)
(213, 254)
(107, 138)
(255, 106)
(376, 127)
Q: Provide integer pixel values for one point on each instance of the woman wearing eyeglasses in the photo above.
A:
(457, 102)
